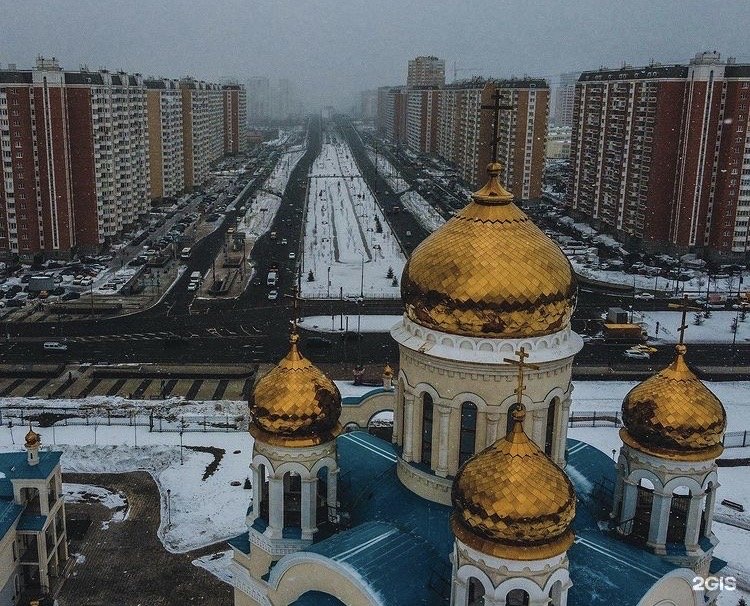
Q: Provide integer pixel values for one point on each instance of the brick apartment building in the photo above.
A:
(391, 121)
(164, 110)
(660, 155)
(84, 152)
(426, 71)
(422, 112)
(464, 129)
(235, 118)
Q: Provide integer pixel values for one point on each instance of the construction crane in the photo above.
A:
(457, 69)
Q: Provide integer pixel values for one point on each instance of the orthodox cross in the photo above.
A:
(683, 324)
(495, 107)
(521, 364)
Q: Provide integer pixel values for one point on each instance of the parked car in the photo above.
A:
(55, 346)
(646, 296)
(193, 285)
(70, 296)
(291, 255)
(273, 295)
(636, 354)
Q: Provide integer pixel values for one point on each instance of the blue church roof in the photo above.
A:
(9, 513)
(14, 465)
(400, 542)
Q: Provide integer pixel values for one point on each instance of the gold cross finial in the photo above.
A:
(683, 324)
(521, 364)
(495, 107)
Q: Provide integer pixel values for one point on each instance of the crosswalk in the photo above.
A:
(211, 333)
(145, 336)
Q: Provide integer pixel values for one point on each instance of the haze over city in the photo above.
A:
(333, 49)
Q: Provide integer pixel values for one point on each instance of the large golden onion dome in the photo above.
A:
(295, 404)
(512, 501)
(674, 415)
(489, 271)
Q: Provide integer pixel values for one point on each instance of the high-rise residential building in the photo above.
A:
(422, 113)
(464, 130)
(258, 100)
(202, 128)
(74, 158)
(166, 162)
(391, 122)
(426, 71)
(565, 93)
(235, 118)
(661, 155)
(368, 104)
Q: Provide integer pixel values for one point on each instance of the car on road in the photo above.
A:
(647, 348)
(645, 296)
(636, 354)
(273, 295)
(55, 346)
(193, 285)
(284, 241)
(291, 255)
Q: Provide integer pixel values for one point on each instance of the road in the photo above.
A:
(252, 328)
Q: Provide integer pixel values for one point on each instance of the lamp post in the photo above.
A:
(328, 291)
(181, 458)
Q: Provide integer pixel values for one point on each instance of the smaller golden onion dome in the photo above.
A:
(295, 404)
(512, 501)
(387, 371)
(32, 438)
(489, 272)
(673, 415)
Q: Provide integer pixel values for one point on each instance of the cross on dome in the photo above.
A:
(520, 364)
(495, 107)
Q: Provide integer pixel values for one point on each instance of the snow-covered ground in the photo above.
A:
(202, 511)
(341, 231)
(422, 210)
(366, 323)
(261, 212)
(715, 329)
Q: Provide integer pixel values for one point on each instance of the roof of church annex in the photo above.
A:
(489, 272)
(388, 520)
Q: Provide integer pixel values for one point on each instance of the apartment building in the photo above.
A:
(426, 71)
(565, 93)
(661, 155)
(202, 129)
(391, 121)
(75, 168)
(422, 112)
(166, 162)
(234, 101)
(465, 129)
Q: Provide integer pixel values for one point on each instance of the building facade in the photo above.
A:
(426, 71)
(258, 100)
(565, 93)
(202, 129)
(422, 112)
(235, 118)
(659, 155)
(391, 123)
(166, 162)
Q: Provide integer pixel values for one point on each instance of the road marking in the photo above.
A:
(367, 446)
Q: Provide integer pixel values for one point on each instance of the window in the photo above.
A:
(467, 442)
(427, 406)
(550, 430)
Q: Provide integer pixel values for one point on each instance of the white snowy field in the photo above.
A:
(261, 212)
(334, 323)
(716, 329)
(422, 210)
(202, 512)
(341, 232)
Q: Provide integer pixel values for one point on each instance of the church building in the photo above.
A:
(480, 498)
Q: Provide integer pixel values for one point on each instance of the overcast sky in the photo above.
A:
(334, 48)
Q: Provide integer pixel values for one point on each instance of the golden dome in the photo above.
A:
(32, 438)
(512, 501)
(295, 404)
(489, 271)
(673, 415)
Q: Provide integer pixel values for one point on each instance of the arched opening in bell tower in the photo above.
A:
(427, 410)
(517, 597)
(549, 433)
(292, 500)
(467, 442)
(678, 514)
(475, 592)
(643, 505)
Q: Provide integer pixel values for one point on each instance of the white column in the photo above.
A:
(444, 413)
(710, 507)
(693, 529)
(398, 412)
(657, 530)
(491, 435)
(257, 492)
(561, 432)
(629, 501)
(41, 543)
(408, 455)
(309, 507)
(537, 430)
(275, 506)
(459, 592)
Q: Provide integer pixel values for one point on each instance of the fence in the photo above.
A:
(594, 418)
(736, 439)
(47, 417)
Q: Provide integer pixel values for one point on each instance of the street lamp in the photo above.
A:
(181, 458)
(328, 292)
